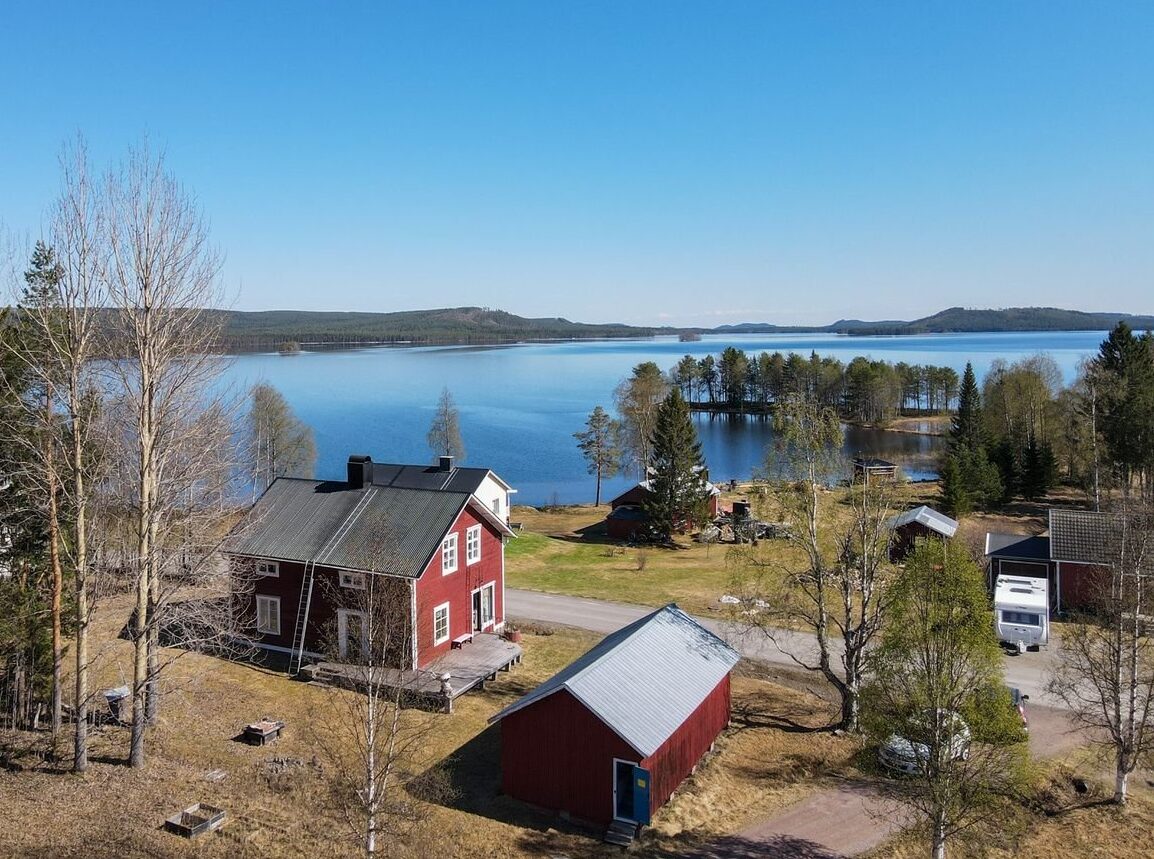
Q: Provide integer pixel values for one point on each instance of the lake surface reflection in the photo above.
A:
(521, 404)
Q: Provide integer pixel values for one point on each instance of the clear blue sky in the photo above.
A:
(619, 161)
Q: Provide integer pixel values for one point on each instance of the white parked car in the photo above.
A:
(909, 757)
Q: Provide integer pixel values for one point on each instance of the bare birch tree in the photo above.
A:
(163, 283)
(1105, 673)
(444, 436)
(937, 699)
(279, 444)
(839, 592)
(64, 318)
(377, 736)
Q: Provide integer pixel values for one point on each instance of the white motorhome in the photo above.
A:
(1022, 611)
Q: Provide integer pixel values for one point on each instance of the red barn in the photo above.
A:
(609, 738)
(433, 534)
(919, 523)
(628, 519)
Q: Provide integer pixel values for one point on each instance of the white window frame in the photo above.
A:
(449, 555)
(354, 581)
(491, 587)
(497, 505)
(271, 612)
(448, 624)
(268, 569)
(473, 544)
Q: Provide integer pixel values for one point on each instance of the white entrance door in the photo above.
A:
(352, 635)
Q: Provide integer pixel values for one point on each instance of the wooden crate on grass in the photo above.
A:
(196, 820)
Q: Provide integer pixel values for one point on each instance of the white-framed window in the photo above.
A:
(268, 568)
(356, 581)
(473, 544)
(497, 505)
(449, 555)
(441, 624)
(268, 615)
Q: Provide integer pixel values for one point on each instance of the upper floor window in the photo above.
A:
(268, 568)
(449, 555)
(473, 544)
(356, 581)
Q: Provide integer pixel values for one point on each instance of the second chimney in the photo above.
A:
(446, 463)
(360, 471)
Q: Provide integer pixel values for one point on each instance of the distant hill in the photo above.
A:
(268, 328)
(961, 319)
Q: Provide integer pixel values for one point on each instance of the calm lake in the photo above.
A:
(521, 404)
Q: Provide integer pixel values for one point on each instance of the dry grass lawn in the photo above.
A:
(1053, 821)
(565, 550)
(280, 798)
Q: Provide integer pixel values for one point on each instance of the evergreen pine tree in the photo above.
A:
(1125, 371)
(677, 495)
(956, 499)
(1005, 457)
(1038, 469)
(966, 430)
(599, 444)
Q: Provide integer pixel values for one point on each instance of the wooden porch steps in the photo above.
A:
(621, 833)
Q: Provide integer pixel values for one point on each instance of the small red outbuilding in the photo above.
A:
(609, 738)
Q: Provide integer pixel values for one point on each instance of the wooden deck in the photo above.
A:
(468, 668)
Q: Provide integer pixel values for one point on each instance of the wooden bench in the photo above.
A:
(461, 640)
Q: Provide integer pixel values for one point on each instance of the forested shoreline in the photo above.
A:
(863, 391)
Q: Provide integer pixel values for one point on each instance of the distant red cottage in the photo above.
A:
(434, 533)
(609, 738)
(628, 518)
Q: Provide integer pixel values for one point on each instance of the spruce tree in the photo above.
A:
(1125, 370)
(1038, 469)
(677, 495)
(956, 499)
(966, 430)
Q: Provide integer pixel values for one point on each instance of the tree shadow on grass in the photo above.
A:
(745, 717)
(472, 776)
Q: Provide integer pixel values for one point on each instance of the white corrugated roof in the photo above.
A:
(644, 680)
(927, 516)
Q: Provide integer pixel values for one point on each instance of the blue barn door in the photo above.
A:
(641, 795)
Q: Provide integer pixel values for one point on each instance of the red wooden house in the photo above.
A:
(609, 738)
(1073, 556)
(309, 546)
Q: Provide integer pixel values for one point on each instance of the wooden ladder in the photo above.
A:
(300, 630)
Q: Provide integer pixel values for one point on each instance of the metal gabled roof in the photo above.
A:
(376, 529)
(644, 680)
(1017, 546)
(928, 517)
(455, 479)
